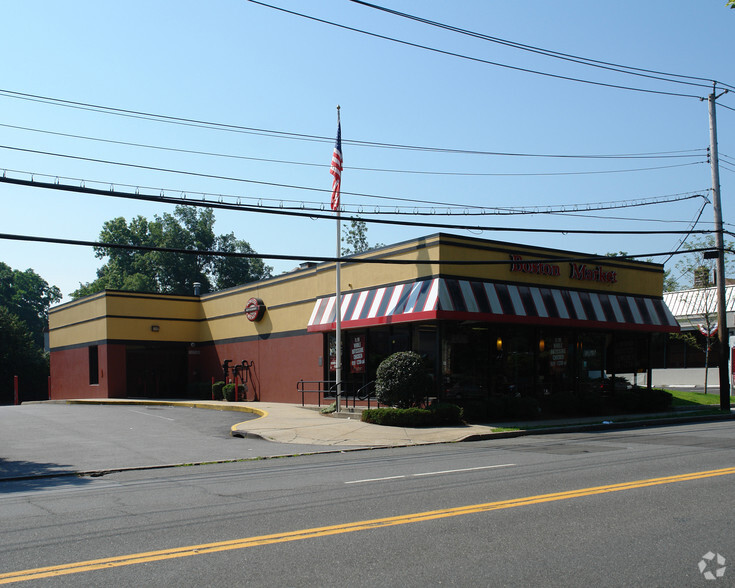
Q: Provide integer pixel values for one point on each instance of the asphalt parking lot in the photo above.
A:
(47, 439)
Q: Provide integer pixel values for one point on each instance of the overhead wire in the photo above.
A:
(637, 71)
(222, 177)
(690, 152)
(685, 237)
(431, 208)
(330, 259)
(475, 59)
(305, 137)
(327, 216)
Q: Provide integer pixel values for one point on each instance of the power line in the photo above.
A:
(430, 210)
(213, 176)
(317, 138)
(690, 153)
(328, 216)
(370, 260)
(475, 59)
(637, 71)
(685, 237)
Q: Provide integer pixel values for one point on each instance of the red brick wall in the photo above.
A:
(70, 373)
(278, 364)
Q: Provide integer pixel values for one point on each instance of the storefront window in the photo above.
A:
(591, 363)
(467, 362)
(519, 358)
(555, 362)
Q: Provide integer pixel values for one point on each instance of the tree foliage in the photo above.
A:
(20, 356)
(27, 296)
(697, 271)
(356, 238)
(169, 272)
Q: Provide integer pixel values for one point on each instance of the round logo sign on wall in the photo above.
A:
(254, 309)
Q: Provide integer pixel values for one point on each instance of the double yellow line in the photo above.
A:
(164, 554)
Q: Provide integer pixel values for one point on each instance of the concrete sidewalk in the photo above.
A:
(289, 423)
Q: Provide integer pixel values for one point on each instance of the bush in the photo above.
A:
(512, 408)
(654, 400)
(217, 390)
(228, 391)
(446, 414)
(439, 414)
(591, 403)
(401, 380)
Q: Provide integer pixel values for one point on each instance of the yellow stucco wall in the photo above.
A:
(635, 278)
(290, 298)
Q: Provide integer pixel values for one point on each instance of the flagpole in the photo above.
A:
(338, 326)
(338, 301)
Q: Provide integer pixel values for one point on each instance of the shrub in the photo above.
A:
(446, 414)
(439, 414)
(228, 392)
(523, 407)
(563, 403)
(627, 400)
(401, 380)
(654, 400)
(217, 390)
(591, 403)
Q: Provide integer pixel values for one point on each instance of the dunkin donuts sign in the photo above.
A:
(577, 271)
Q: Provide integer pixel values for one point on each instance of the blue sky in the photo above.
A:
(238, 63)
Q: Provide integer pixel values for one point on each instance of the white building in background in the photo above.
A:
(678, 364)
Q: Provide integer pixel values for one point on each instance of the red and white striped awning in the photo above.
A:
(453, 299)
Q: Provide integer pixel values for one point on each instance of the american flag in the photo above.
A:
(336, 169)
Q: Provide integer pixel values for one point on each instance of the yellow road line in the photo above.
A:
(164, 554)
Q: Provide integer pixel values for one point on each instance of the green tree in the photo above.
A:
(702, 274)
(670, 282)
(231, 271)
(356, 238)
(28, 296)
(170, 272)
(701, 271)
(20, 356)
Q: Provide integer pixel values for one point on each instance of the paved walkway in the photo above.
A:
(289, 423)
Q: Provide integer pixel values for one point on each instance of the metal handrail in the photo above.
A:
(362, 395)
(330, 387)
(321, 388)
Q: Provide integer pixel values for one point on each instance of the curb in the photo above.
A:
(583, 427)
(174, 403)
(105, 472)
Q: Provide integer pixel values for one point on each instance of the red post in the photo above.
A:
(15, 389)
(212, 388)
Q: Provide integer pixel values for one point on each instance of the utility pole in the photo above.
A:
(722, 331)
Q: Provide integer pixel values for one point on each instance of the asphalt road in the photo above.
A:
(620, 508)
(43, 439)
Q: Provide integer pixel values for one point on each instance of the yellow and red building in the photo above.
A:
(488, 317)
